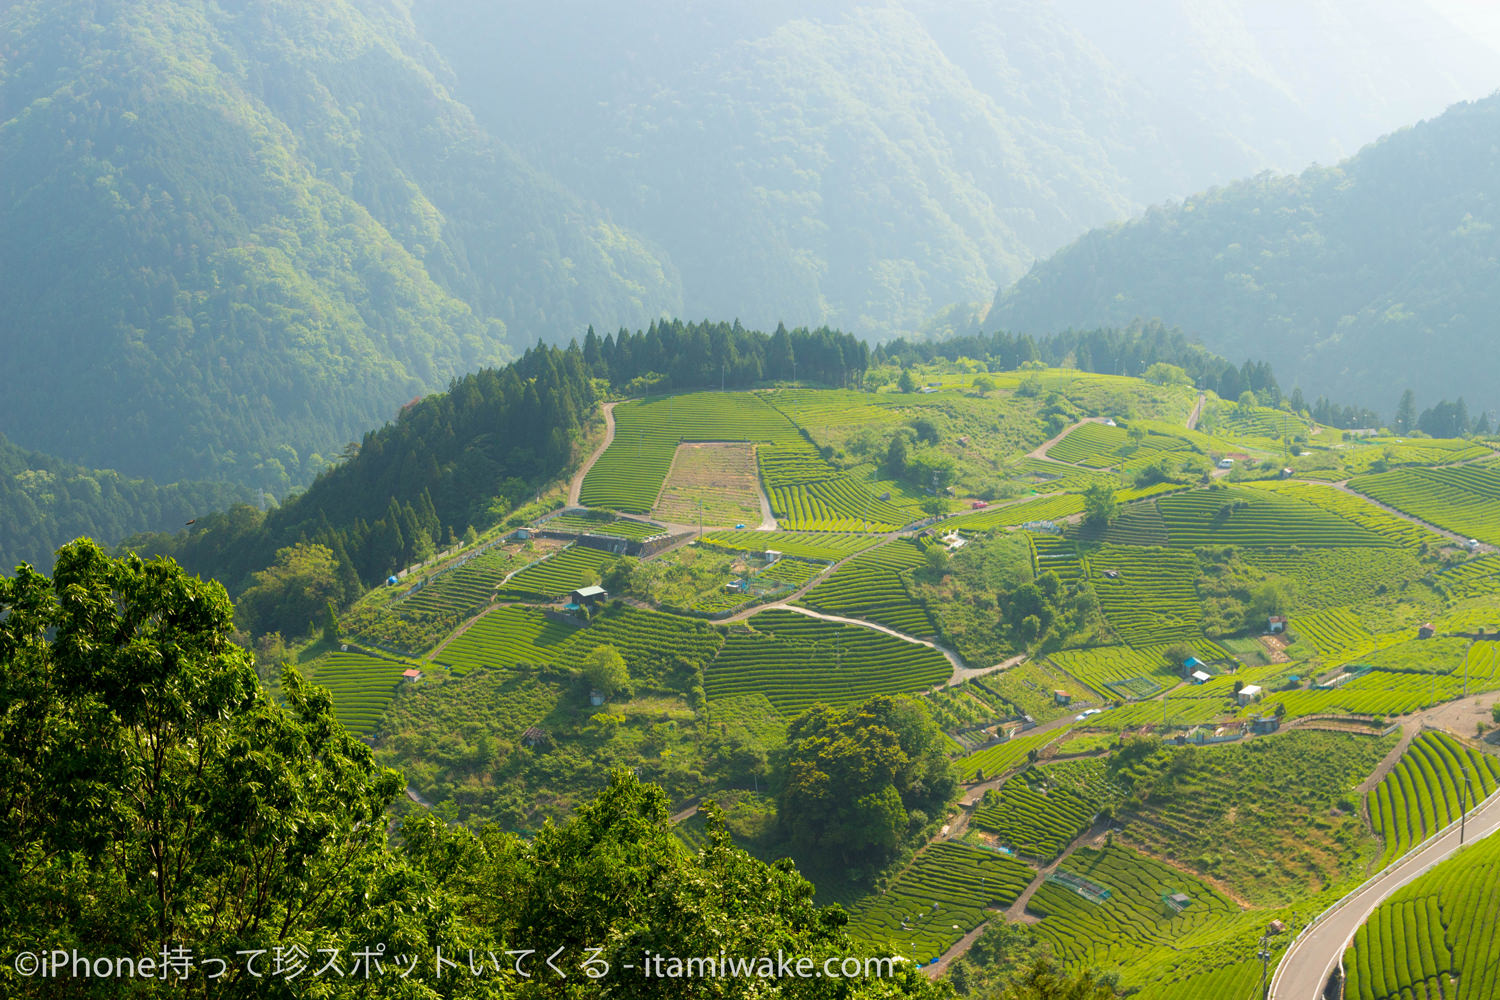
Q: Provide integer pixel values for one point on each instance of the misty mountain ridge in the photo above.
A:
(1359, 280)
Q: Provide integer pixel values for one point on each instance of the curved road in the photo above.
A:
(1307, 964)
(609, 436)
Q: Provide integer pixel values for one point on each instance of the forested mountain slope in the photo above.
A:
(1361, 279)
(47, 502)
(866, 164)
(234, 236)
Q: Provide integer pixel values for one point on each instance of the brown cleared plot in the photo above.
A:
(720, 476)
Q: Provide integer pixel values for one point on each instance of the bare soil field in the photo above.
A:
(720, 476)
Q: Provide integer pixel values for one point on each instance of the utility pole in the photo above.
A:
(1265, 961)
(1463, 816)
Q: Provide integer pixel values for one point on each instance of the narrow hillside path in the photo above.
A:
(435, 650)
(962, 674)
(1344, 486)
(1016, 912)
(1307, 964)
(973, 793)
(1192, 420)
(767, 515)
(948, 654)
(953, 954)
(1041, 450)
(1409, 731)
(609, 436)
(416, 797)
(797, 594)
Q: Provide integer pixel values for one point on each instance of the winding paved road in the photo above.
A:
(1308, 963)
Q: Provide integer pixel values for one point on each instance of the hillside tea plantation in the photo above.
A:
(1464, 498)
(1426, 790)
(629, 475)
(1209, 837)
(944, 894)
(869, 586)
(361, 685)
(557, 575)
(1136, 917)
(797, 661)
(1437, 937)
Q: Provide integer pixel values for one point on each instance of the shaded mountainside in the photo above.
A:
(47, 502)
(235, 235)
(1358, 280)
(865, 164)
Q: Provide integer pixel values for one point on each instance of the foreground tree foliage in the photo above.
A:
(156, 797)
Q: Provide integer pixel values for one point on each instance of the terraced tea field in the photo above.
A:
(1028, 687)
(1223, 810)
(1260, 421)
(583, 524)
(629, 475)
(825, 546)
(870, 586)
(1338, 635)
(809, 494)
(945, 893)
(573, 567)
(1437, 937)
(1052, 477)
(1135, 918)
(1425, 790)
(1464, 498)
(1119, 667)
(1332, 578)
(1351, 508)
(790, 572)
(818, 409)
(648, 640)
(1099, 446)
(504, 638)
(1375, 693)
(1056, 554)
(1042, 810)
(797, 661)
(1008, 515)
(1154, 599)
(1138, 524)
(991, 761)
(462, 589)
(1257, 518)
(361, 686)
(1471, 578)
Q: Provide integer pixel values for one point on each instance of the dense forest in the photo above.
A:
(45, 502)
(1363, 279)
